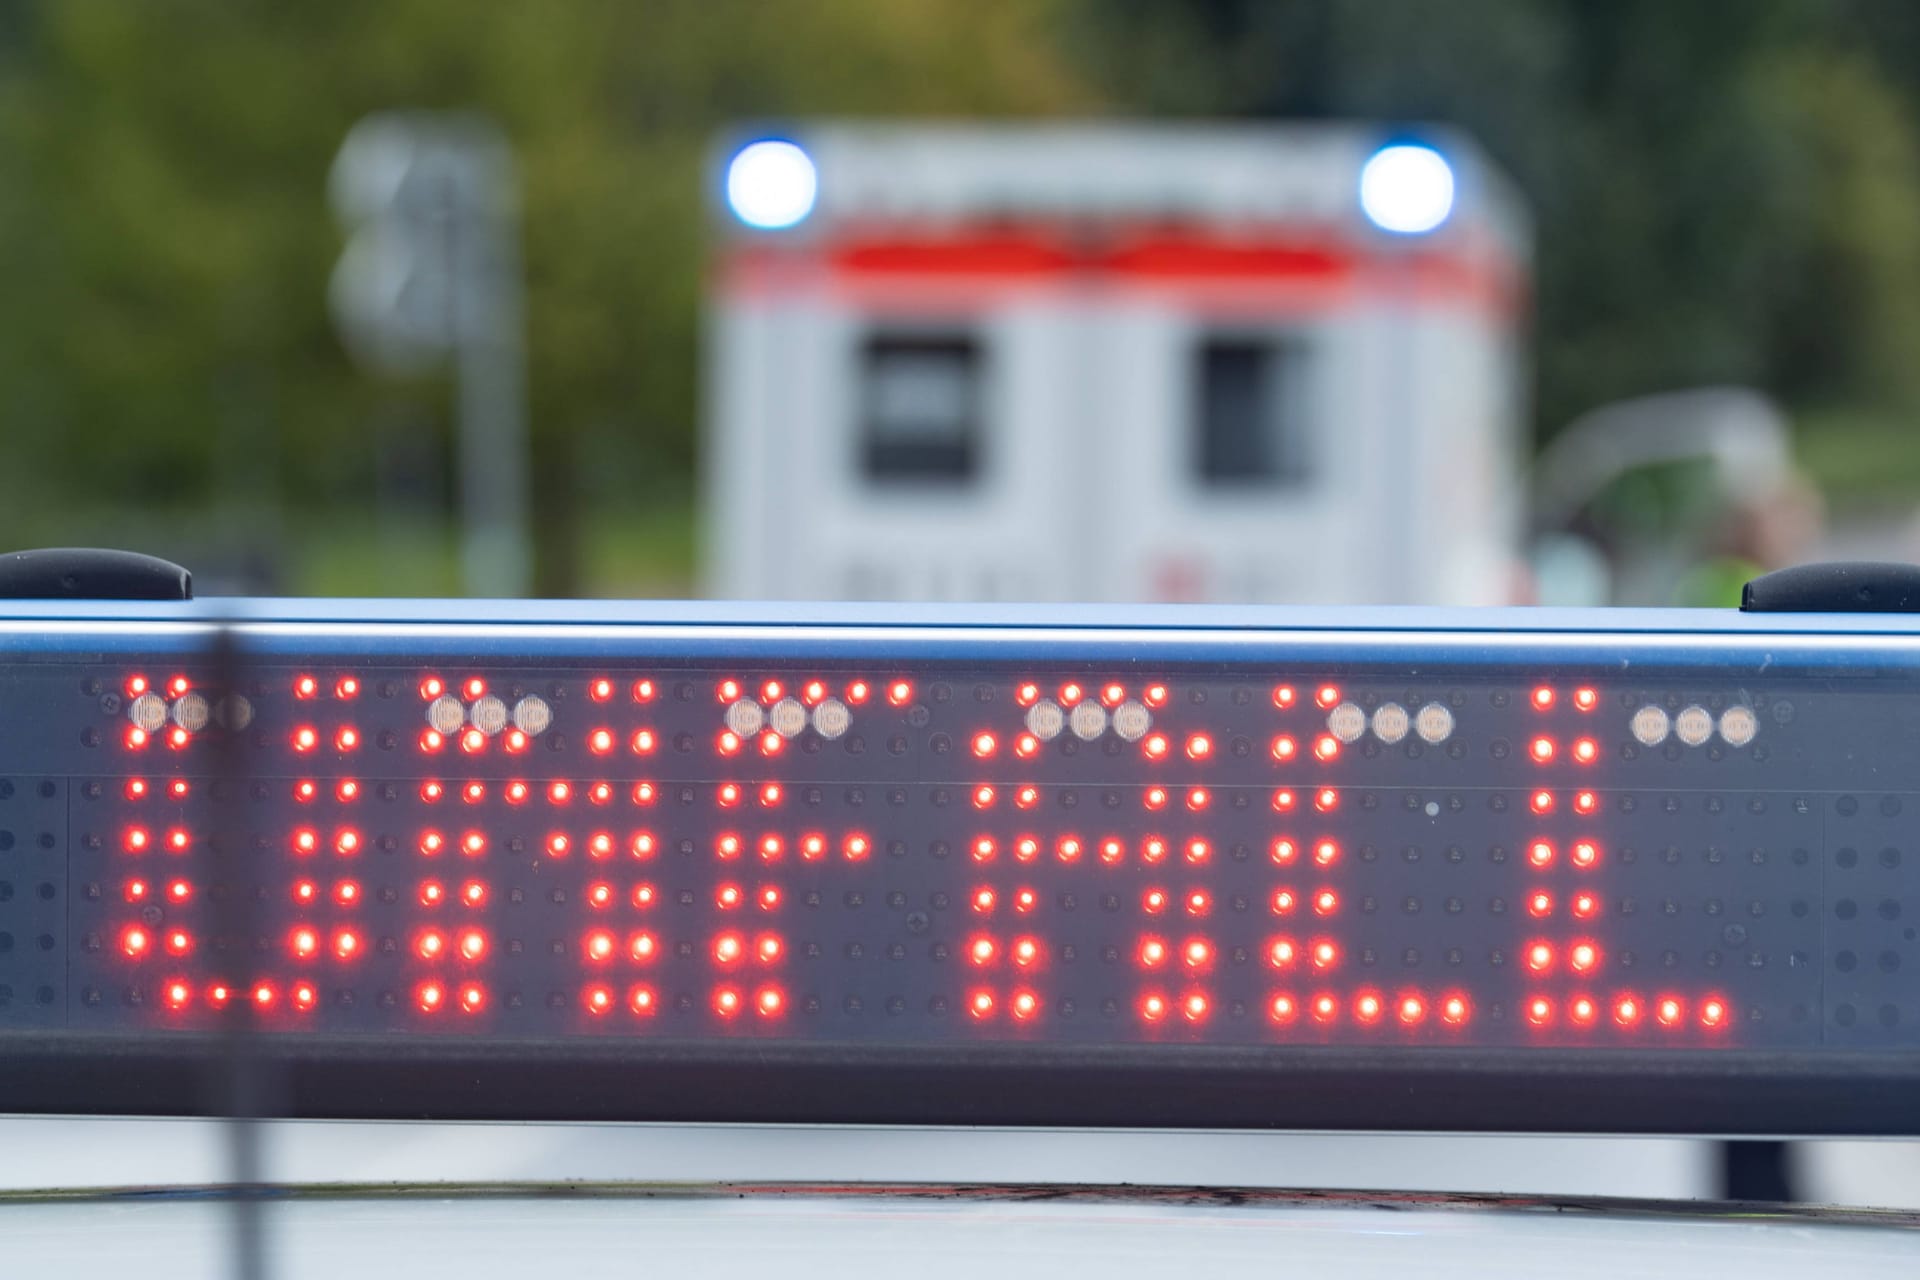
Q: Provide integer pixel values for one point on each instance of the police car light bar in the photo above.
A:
(1381, 869)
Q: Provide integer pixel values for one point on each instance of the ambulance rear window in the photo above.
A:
(1250, 420)
(920, 408)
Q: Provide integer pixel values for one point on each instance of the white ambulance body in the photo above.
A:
(1112, 363)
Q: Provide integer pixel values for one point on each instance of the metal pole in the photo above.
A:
(491, 398)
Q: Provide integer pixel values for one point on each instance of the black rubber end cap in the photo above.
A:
(1846, 587)
(91, 573)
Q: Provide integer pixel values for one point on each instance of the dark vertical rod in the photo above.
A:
(236, 1076)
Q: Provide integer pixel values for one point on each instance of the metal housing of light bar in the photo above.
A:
(1373, 869)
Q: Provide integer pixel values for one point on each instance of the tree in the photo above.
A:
(165, 229)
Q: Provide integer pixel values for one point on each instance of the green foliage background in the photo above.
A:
(1723, 192)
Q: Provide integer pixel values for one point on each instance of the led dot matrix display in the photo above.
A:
(1292, 855)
